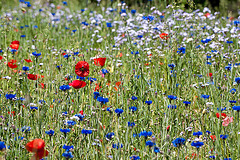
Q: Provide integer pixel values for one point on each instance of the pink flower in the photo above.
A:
(227, 120)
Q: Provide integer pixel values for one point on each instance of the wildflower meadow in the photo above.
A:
(114, 82)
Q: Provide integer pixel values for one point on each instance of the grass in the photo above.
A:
(146, 75)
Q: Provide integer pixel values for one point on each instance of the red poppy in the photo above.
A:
(81, 112)
(1, 57)
(213, 137)
(14, 45)
(12, 64)
(222, 114)
(82, 69)
(42, 85)
(168, 127)
(32, 76)
(207, 15)
(164, 36)
(28, 60)
(210, 74)
(77, 84)
(37, 146)
(99, 61)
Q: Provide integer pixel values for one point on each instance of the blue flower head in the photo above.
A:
(67, 147)
(134, 98)
(65, 130)
(26, 129)
(145, 134)
(10, 96)
(96, 94)
(172, 97)
(109, 25)
(197, 144)
(70, 123)
(131, 124)
(2, 145)
(156, 149)
(134, 157)
(236, 108)
(119, 111)
(117, 146)
(205, 96)
(199, 133)
(67, 155)
(50, 132)
(36, 54)
(148, 102)
(181, 50)
(237, 80)
(109, 135)
(24, 68)
(84, 131)
(150, 143)
(172, 106)
(223, 137)
(64, 87)
(178, 142)
(133, 108)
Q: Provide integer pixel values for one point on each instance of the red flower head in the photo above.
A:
(14, 45)
(1, 57)
(12, 64)
(223, 115)
(207, 15)
(37, 146)
(213, 137)
(77, 84)
(28, 60)
(99, 61)
(32, 76)
(164, 36)
(82, 69)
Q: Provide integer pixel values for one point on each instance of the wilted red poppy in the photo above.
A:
(28, 60)
(14, 45)
(77, 84)
(32, 76)
(222, 114)
(82, 69)
(164, 36)
(12, 64)
(37, 146)
(99, 61)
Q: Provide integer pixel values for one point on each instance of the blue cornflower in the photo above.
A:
(171, 66)
(199, 133)
(64, 3)
(208, 132)
(104, 71)
(171, 97)
(237, 80)
(172, 106)
(228, 68)
(74, 32)
(227, 158)
(149, 18)
(232, 101)
(197, 144)
(34, 108)
(213, 157)
(50, 132)
(236, 108)
(229, 42)
(2, 145)
(181, 50)
(80, 117)
(26, 129)
(109, 135)
(102, 100)
(156, 150)
(150, 143)
(16, 138)
(133, 11)
(23, 36)
(10, 96)
(205, 96)
(70, 123)
(92, 79)
(178, 142)
(67, 56)
(65, 130)
(233, 90)
(119, 111)
(133, 108)
(223, 137)
(67, 155)
(109, 24)
(84, 131)
(145, 134)
(64, 113)
(67, 147)
(131, 124)
(117, 146)
(186, 103)
(96, 94)
(64, 87)
(36, 54)
(134, 98)
(148, 102)
(134, 157)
